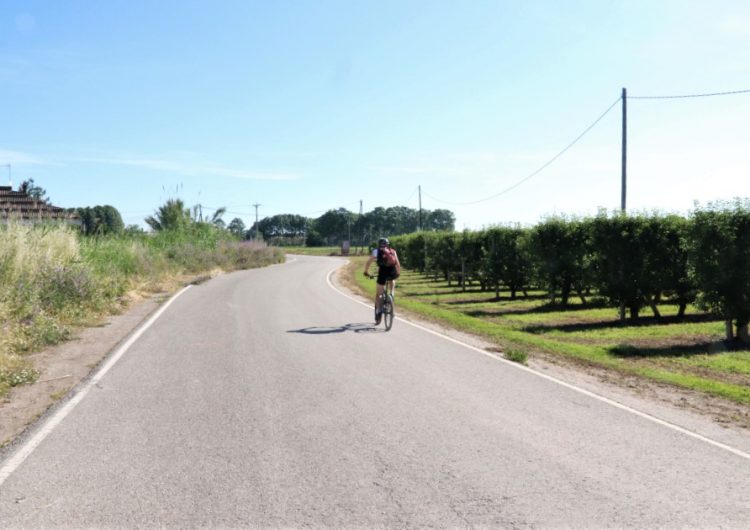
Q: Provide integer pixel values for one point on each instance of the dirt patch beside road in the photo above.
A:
(64, 366)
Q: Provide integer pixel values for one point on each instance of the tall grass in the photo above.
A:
(52, 278)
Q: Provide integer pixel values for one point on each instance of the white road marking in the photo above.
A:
(583, 391)
(28, 447)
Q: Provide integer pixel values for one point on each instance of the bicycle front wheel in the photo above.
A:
(388, 312)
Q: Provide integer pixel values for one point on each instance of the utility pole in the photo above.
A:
(362, 240)
(624, 173)
(624, 148)
(419, 229)
(256, 219)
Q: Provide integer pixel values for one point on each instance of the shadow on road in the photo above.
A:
(322, 330)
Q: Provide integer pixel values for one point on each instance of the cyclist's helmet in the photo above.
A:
(383, 242)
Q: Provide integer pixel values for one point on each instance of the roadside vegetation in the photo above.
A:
(661, 297)
(689, 353)
(54, 277)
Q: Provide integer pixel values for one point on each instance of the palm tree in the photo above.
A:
(215, 219)
(171, 216)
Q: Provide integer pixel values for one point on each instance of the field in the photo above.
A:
(688, 353)
(53, 280)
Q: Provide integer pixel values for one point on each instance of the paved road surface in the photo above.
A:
(265, 398)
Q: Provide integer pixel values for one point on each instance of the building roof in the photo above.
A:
(18, 205)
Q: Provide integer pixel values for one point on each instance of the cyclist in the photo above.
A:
(389, 268)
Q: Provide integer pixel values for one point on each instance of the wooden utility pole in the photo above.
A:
(256, 220)
(624, 148)
(420, 207)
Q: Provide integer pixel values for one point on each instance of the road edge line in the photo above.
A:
(24, 451)
(664, 423)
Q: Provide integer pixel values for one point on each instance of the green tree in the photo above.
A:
(441, 255)
(411, 250)
(214, 219)
(333, 226)
(237, 227)
(506, 259)
(313, 238)
(666, 266)
(134, 230)
(720, 257)
(629, 259)
(32, 190)
(172, 215)
(284, 228)
(561, 251)
(439, 220)
(100, 220)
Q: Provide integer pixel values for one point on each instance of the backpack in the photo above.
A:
(386, 257)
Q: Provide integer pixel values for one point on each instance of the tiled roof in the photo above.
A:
(18, 205)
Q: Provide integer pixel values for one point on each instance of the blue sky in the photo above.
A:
(304, 106)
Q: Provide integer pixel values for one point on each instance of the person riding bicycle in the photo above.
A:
(389, 268)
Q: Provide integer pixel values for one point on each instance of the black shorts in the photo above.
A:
(386, 274)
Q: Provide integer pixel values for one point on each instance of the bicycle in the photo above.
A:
(387, 305)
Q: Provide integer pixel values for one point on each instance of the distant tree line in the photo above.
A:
(338, 225)
(630, 262)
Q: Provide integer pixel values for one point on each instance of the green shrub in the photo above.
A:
(52, 278)
(720, 258)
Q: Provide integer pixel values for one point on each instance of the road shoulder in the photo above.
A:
(62, 367)
(712, 417)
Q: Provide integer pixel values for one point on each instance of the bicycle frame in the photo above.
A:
(386, 305)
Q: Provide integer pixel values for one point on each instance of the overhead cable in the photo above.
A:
(536, 172)
(692, 95)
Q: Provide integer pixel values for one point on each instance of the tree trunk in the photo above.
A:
(634, 312)
(653, 303)
(681, 312)
(497, 290)
(581, 295)
(463, 275)
(565, 291)
(729, 330)
(622, 311)
(742, 332)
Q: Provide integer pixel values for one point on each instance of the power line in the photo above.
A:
(533, 174)
(412, 195)
(692, 95)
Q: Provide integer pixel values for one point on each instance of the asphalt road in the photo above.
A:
(265, 398)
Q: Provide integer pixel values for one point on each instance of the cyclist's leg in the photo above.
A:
(391, 285)
(380, 283)
(378, 294)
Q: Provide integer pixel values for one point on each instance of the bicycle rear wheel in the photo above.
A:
(388, 312)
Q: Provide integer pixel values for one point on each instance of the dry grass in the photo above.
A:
(52, 279)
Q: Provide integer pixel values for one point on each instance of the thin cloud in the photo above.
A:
(195, 170)
(18, 157)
